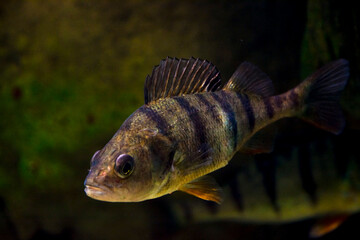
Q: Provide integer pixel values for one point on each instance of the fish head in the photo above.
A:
(130, 168)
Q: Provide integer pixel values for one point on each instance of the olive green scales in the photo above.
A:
(192, 125)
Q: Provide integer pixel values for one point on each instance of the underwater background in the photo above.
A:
(72, 71)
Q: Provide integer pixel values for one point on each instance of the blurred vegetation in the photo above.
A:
(72, 71)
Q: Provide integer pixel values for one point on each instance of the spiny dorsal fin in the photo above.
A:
(176, 77)
(250, 79)
(205, 188)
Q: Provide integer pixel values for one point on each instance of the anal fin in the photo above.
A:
(205, 188)
(327, 224)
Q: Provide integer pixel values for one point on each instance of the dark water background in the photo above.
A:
(72, 71)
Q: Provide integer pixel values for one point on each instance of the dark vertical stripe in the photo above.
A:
(221, 97)
(193, 113)
(268, 107)
(162, 126)
(266, 164)
(306, 175)
(209, 107)
(160, 121)
(278, 101)
(294, 97)
(248, 109)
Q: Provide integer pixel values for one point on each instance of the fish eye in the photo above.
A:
(124, 165)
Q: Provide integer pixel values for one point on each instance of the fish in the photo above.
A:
(192, 124)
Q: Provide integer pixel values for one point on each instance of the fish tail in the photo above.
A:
(320, 94)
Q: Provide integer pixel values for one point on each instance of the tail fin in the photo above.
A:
(322, 92)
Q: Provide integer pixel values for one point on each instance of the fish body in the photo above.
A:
(191, 126)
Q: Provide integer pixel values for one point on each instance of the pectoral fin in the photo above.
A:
(199, 159)
(327, 224)
(205, 188)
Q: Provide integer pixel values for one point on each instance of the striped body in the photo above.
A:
(222, 121)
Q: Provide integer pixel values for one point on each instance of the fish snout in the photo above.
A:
(97, 177)
(101, 175)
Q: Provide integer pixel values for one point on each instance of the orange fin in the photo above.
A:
(327, 224)
(205, 188)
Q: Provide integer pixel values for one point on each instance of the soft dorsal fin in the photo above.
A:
(205, 188)
(176, 77)
(250, 79)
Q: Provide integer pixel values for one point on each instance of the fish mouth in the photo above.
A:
(101, 194)
(94, 191)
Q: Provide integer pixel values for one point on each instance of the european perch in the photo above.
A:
(192, 125)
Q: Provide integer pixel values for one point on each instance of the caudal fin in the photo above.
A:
(322, 91)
